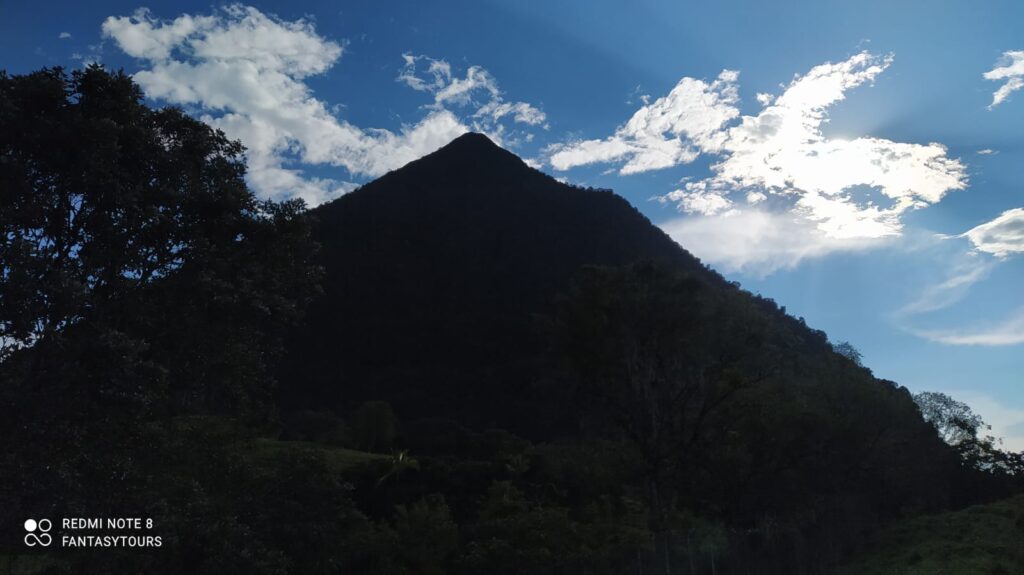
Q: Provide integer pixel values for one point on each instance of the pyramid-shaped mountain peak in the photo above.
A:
(471, 157)
(473, 145)
(472, 139)
(439, 268)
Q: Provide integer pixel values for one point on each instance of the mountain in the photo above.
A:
(447, 286)
(434, 273)
(552, 417)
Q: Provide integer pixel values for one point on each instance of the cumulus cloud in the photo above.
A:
(64, 35)
(695, 198)
(672, 130)
(850, 190)
(1002, 236)
(245, 72)
(1010, 70)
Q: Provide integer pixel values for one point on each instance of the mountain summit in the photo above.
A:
(473, 146)
(470, 157)
(435, 271)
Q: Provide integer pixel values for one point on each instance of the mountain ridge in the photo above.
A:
(468, 239)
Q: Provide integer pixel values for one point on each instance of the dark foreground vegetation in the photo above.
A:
(980, 539)
(463, 367)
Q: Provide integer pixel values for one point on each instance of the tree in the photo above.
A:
(141, 280)
(953, 420)
(134, 227)
(846, 349)
(427, 535)
(657, 353)
(963, 429)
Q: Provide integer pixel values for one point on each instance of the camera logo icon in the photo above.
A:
(38, 533)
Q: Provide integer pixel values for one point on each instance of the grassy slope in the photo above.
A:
(984, 539)
(337, 458)
(262, 451)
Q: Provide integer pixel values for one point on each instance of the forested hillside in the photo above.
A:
(464, 366)
(470, 291)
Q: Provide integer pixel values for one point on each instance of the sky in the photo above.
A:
(859, 163)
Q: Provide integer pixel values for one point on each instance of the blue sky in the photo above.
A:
(858, 162)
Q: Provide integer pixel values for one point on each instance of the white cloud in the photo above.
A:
(1009, 331)
(1009, 68)
(94, 55)
(757, 242)
(672, 130)
(448, 90)
(987, 152)
(638, 94)
(782, 152)
(520, 111)
(244, 72)
(755, 197)
(849, 189)
(695, 198)
(1002, 236)
(64, 35)
(142, 36)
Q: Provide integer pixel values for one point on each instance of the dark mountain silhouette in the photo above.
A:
(463, 395)
(433, 274)
(446, 279)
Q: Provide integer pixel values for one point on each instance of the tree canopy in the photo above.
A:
(142, 282)
(119, 223)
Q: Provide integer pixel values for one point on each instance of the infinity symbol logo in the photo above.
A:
(43, 539)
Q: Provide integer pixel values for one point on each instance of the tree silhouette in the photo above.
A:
(846, 349)
(142, 281)
(953, 420)
(646, 344)
(134, 227)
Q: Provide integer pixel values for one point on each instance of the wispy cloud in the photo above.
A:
(848, 190)
(245, 72)
(64, 35)
(969, 269)
(991, 243)
(478, 91)
(1010, 70)
(1009, 331)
